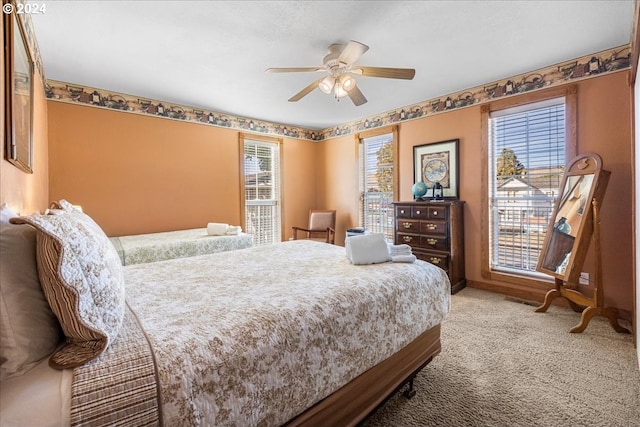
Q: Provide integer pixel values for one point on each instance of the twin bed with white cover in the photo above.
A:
(151, 247)
(288, 334)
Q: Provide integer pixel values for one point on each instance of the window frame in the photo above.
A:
(570, 93)
(393, 130)
(241, 141)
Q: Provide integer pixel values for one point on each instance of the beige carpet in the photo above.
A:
(504, 365)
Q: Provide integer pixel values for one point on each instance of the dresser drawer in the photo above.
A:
(440, 243)
(419, 212)
(403, 211)
(435, 212)
(409, 239)
(441, 260)
(433, 227)
(408, 226)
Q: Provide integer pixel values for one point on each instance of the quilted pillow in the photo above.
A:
(81, 276)
(29, 331)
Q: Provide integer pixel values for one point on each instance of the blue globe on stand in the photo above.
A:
(419, 189)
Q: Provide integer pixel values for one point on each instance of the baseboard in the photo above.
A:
(531, 295)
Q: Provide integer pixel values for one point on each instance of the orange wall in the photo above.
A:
(603, 127)
(27, 193)
(137, 174)
(338, 182)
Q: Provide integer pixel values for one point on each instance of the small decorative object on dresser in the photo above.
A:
(435, 232)
(437, 192)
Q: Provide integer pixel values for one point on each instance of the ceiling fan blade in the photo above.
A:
(352, 51)
(304, 92)
(357, 96)
(294, 70)
(388, 73)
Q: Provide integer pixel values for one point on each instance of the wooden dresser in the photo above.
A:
(435, 232)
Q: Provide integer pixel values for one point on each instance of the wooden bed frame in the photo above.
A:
(352, 403)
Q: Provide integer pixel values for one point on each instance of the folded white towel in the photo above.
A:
(399, 249)
(234, 230)
(403, 258)
(367, 249)
(217, 228)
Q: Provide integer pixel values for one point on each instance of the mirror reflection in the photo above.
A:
(571, 209)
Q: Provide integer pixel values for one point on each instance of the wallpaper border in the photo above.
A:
(588, 66)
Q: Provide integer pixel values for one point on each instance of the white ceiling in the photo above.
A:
(213, 54)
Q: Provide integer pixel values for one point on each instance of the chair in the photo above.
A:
(322, 226)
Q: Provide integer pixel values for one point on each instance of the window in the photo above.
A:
(377, 154)
(527, 141)
(261, 181)
(526, 164)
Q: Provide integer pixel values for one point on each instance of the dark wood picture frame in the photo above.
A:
(19, 94)
(438, 162)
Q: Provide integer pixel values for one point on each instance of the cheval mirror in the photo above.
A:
(575, 221)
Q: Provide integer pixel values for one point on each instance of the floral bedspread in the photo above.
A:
(143, 248)
(256, 336)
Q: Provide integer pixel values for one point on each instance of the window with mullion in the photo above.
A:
(262, 200)
(377, 182)
(526, 158)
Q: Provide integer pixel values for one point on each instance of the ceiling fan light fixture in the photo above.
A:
(340, 82)
(347, 82)
(326, 85)
(339, 91)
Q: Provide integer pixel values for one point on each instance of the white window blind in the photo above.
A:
(376, 184)
(526, 165)
(262, 191)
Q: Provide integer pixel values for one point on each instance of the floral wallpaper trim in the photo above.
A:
(607, 61)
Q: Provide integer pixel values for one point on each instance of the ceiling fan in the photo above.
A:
(339, 64)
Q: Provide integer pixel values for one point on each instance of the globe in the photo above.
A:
(419, 189)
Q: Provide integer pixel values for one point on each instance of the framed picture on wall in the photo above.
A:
(438, 162)
(19, 94)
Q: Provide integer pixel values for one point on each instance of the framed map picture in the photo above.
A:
(437, 162)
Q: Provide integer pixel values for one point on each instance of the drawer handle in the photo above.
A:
(432, 241)
(407, 238)
(406, 224)
(432, 226)
(417, 212)
(435, 213)
(401, 211)
(434, 260)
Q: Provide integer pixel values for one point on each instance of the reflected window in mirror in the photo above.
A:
(571, 208)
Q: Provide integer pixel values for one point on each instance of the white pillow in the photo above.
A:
(81, 275)
(29, 331)
(6, 213)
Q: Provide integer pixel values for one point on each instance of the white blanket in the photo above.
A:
(367, 249)
(217, 229)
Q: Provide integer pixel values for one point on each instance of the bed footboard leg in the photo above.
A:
(410, 392)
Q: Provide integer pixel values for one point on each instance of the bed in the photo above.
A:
(288, 334)
(151, 247)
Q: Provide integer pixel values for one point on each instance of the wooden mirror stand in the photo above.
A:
(575, 222)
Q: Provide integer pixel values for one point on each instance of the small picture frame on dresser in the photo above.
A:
(437, 162)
